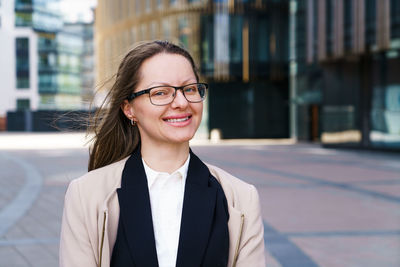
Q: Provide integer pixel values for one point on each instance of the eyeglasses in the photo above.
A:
(164, 95)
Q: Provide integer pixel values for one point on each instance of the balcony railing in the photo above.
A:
(23, 7)
(47, 68)
(48, 88)
(47, 47)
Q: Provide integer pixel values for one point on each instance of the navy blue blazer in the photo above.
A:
(204, 236)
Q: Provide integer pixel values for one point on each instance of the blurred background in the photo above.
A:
(313, 70)
(285, 77)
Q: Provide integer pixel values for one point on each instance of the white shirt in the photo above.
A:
(166, 199)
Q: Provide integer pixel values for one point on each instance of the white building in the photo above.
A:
(19, 63)
(40, 60)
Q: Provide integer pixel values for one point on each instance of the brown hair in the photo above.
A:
(114, 137)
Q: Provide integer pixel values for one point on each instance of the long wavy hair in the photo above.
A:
(114, 138)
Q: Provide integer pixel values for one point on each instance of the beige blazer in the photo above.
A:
(91, 215)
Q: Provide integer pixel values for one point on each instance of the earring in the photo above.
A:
(133, 123)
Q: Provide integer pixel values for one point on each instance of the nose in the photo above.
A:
(179, 100)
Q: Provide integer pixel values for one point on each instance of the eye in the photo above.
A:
(160, 92)
(191, 89)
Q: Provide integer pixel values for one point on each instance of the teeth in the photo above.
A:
(178, 120)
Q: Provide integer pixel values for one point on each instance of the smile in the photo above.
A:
(178, 120)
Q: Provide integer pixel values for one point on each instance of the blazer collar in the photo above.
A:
(135, 212)
(197, 214)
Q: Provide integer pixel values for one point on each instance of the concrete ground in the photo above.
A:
(320, 207)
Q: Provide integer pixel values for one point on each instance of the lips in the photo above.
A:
(178, 119)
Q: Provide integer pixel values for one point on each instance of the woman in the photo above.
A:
(147, 199)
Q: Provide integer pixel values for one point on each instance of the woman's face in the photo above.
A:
(176, 122)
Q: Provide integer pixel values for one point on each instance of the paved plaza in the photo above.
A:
(320, 207)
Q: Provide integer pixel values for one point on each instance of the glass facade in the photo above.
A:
(370, 21)
(60, 67)
(22, 63)
(60, 53)
(241, 48)
(23, 104)
(350, 98)
(38, 14)
(348, 25)
(23, 13)
(46, 21)
(395, 18)
(47, 68)
(385, 106)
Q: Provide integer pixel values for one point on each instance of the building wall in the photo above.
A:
(241, 48)
(7, 70)
(348, 53)
(88, 65)
(8, 35)
(31, 50)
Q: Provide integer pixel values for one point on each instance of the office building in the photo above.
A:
(45, 60)
(88, 65)
(240, 46)
(347, 59)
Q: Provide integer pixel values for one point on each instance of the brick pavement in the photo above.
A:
(33, 237)
(320, 207)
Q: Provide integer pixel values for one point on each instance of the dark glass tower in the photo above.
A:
(348, 57)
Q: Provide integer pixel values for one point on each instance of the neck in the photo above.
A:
(165, 157)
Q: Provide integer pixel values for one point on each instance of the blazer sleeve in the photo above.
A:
(251, 251)
(75, 246)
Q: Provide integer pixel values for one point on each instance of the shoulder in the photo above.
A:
(104, 175)
(99, 183)
(239, 194)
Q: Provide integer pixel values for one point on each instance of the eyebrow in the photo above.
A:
(167, 84)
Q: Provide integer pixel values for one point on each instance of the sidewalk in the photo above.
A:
(320, 207)
(76, 140)
(32, 188)
(35, 140)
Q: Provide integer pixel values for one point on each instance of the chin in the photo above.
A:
(181, 138)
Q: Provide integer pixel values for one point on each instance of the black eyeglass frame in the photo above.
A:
(147, 91)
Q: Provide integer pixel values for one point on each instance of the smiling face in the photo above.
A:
(175, 123)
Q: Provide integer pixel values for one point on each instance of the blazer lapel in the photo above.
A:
(135, 212)
(197, 214)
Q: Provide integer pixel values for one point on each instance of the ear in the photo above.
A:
(127, 108)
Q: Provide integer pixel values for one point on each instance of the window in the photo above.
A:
(166, 28)
(235, 38)
(348, 25)
(23, 104)
(315, 29)
(153, 30)
(137, 7)
(395, 19)
(23, 13)
(22, 66)
(23, 4)
(183, 29)
(23, 19)
(329, 11)
(370, 21)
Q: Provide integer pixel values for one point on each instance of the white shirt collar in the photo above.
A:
(152, 174)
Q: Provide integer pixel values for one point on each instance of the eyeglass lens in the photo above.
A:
(165, 94)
